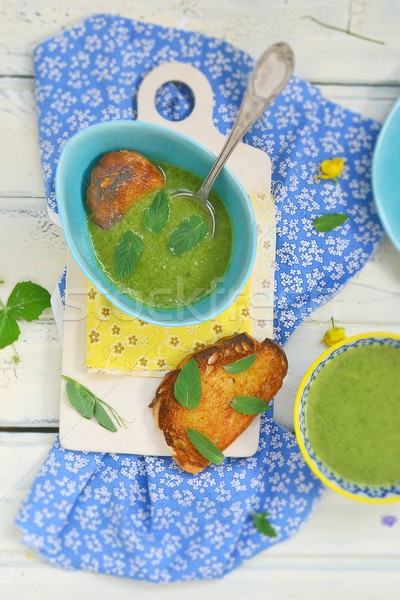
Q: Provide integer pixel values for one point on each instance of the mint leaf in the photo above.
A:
(187, 387)
(103, 418)
(28, 300)
(80, 398)
(248, 405)
(329, 222)
(241, 365)
(263, 525)
(127, 253)
(9, 329)
(205, 446)
(156, 215)
(188, 235)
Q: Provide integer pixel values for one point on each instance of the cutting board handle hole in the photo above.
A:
(174, 100)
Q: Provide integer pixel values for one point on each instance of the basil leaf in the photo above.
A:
(205, 446)
(188, 235)
(80, 398)
(248, 405)
(187, 387)
(263, 525)
(241, 365)
(127, 253)
(156, 215)
(103, 418)
(9, 329)
(329, 222)
(28, 300)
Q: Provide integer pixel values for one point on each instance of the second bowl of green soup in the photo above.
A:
(158, 262)
(347, 415)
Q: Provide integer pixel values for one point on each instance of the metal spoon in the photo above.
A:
(270, 75)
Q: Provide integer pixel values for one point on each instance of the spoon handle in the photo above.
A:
(270, 75)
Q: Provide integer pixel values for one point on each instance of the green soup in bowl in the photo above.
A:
(234, 255)
(347, 417)
(181, 279)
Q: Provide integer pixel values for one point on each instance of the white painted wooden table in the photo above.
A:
(343, 551)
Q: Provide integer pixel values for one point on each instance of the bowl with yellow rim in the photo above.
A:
(320, 454)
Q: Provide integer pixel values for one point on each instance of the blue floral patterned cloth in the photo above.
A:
(143, 517)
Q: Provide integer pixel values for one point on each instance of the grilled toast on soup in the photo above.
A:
(119, 180)
(214, 417)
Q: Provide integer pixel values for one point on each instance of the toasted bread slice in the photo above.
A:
(214, 417)
(119, 180)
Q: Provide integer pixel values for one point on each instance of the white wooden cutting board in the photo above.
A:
(130, 394)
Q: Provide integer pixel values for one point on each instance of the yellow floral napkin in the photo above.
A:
(117, 342)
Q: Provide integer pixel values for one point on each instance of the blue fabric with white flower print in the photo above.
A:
(143, 517)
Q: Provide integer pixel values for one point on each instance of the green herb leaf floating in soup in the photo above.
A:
(241, 365)
(187, 388)
(329, 222)
(188, 235)
(248, 405)
(127, 253)
(156, 215)
(205, 446)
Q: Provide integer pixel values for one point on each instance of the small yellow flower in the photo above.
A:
(94, 336)
(334, 335)
(118, 348)
(198, 346)
(115, 329)
(331, 169)
(132, 340)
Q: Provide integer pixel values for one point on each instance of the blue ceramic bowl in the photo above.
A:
(364, 493)
(386, 175)
(157, 143)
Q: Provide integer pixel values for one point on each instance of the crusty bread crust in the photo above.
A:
(117, 181)
(214, 417)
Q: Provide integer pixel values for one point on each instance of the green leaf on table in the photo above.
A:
(248, 405)
(9, 329)
(81, 398)
(89, 405)
(205, 446)
(241, 365)
(329, 222)
(156, 215)
(187, 387)
(188, 235)
(28, 300)
(127, 253)
(263, 525)
(102, 417)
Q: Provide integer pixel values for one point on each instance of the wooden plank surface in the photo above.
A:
(322, 55)
(343, 551)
